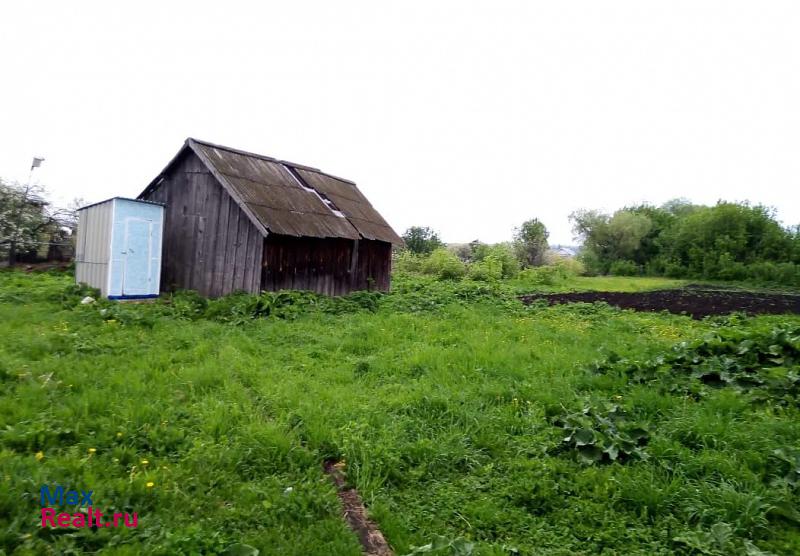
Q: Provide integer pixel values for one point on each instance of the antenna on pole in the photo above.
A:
(37, 162)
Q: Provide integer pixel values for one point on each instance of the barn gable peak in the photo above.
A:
(287, 198)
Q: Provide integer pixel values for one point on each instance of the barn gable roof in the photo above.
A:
(286, 198)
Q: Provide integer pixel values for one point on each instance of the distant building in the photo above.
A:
(564, 250)
(235, 220)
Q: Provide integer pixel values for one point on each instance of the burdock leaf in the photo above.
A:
(590, 454)
(612, 451)
(584, 437)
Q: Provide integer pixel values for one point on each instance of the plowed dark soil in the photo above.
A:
(696, 302)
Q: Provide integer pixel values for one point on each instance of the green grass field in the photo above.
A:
(458, 413)
(602, 283)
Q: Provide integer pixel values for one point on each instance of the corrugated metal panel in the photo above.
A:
(253, 167)
(275, 197)
(93, 248)
(135, 248)
(348, 199)
(304, 224)
(101, 264)
(270, 193)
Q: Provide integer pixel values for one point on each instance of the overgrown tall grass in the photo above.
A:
(441, 398)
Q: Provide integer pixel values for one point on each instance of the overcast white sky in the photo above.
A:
(466, 117)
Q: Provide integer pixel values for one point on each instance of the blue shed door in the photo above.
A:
(136, 274)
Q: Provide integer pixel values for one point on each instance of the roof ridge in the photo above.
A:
(268, 158)
(318, 171)
(231, 149)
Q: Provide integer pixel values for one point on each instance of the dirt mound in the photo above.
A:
(694, 301)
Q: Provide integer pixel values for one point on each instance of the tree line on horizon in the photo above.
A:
(728, 241)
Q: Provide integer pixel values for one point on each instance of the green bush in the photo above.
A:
(557, 273)
(592, 263)
(444, 264)
(545, 275)
(418, 294)
(729, 269)
(674, 270)
(504, 254)
(497, 262)
(408, 262)
(571, 265)
(778, 273)
(486, 270)
(186, 304)
(74, 293)
(624, 268)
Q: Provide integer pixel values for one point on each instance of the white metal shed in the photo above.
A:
(118, 247)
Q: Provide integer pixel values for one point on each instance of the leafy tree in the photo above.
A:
(731, 241)
(591, 227)
(22, 218)
(627, 230)
(679, 207)
(421, 240)
(710, 239)
(27, 219)
(530, 242)
(478, 250)
(616, 238)
(661, 219)
(463, 251)
(794, 232)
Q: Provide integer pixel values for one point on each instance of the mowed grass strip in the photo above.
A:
(441, 412)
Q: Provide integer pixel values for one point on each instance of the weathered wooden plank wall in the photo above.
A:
(329, 266)
(374, 266)
(209, 245)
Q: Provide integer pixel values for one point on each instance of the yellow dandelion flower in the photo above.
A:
(150, 484)
(39, 456)
(92, 450)
(144, 462)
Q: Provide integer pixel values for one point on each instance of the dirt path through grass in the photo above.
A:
(355, 514)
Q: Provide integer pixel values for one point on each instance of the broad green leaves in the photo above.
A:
(603, 436)
(764, 362)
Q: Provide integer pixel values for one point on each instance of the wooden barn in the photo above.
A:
(235, 220)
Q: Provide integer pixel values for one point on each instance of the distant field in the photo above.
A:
(606, 283)
(458, 413)
(634, 284)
